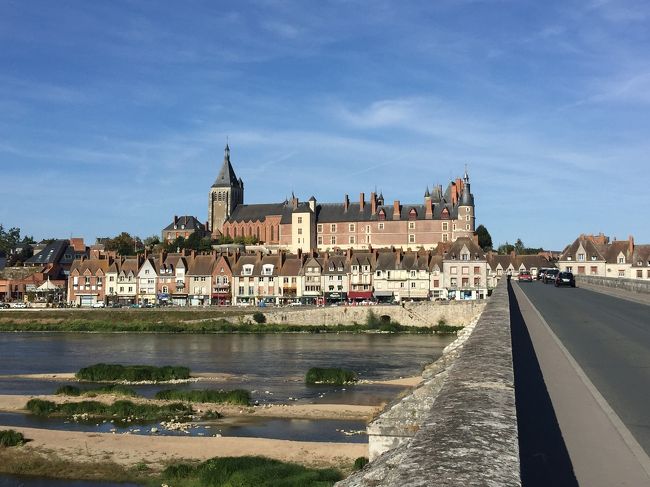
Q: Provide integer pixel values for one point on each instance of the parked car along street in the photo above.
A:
(524, 276)
(550, 275)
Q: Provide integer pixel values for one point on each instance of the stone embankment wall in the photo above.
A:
(427, 313)
(460, 427)
(632, 285)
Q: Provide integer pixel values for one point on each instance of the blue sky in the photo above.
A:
(115, 114)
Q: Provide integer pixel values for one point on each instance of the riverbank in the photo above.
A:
(425, 314)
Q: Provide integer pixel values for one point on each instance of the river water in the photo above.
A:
(272, 366)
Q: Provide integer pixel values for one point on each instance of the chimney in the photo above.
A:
(362, 201)
(428, 209)
(299, 253)
(175, 219)
(349, 253)
(630, 247)
(373, 203)
(396, 215)
(346, 203)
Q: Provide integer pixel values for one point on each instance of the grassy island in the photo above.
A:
(237, 396)
(131, 373)
(332, 376)
(118, 410)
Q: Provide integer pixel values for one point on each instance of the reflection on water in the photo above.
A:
(273, 366)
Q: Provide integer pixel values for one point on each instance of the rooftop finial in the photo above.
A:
(466, 177)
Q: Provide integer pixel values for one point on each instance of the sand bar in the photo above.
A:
(131, 449)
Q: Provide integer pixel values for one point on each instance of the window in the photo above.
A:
(412, 273)
(581, 257)
(445, 226)
(465, 270)
(639, 273)
(464, 256)
(351, 227)
(333, 227)
(466, 210)
(333, 240)
(593, 257)
(367, 228)
(146, 271)
(411, 225)
(412, 285)
(621, 260)
(411, 238)
(454, 269)
(380, 226)
(320, 240)
(581, 269)
(300, 231)
(319, 228)
(466, 227)
(111, 278)
(477, 270)
(130, 289)
(444, 237)
(299, 220)
(351, 239)
(621, 273)
(87, 279)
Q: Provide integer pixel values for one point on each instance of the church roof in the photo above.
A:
(227, 177)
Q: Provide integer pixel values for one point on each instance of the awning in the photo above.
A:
(383, 294)
(360, 294)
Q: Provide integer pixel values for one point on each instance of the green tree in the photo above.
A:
(124, 244)
(519, 246)
(505, 248)
(484, 238)
(151, 242)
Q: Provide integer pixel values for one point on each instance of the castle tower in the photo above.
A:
(466, 208)
(225, 194)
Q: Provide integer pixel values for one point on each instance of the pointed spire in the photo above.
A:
(426, 193)
(227, 177)
(466, 176)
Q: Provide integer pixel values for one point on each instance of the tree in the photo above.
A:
(484, 238)
(519, 246)
(151, 242)
(505, 248)
(124, 244)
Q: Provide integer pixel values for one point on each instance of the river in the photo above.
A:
(272, 366)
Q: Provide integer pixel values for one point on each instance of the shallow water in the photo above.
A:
(273, 366)
(327, 430)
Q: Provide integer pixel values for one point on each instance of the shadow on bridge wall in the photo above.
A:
(543, 455)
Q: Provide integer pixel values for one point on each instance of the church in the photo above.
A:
(362, 224)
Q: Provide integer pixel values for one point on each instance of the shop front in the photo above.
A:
(384, 296)
(360, 295)
(221, 298)
(335, 297)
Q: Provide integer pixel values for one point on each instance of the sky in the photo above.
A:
(114, 115)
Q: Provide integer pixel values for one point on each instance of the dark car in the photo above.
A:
(550, 275)
(565, 279)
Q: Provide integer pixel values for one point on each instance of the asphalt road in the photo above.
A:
(610, 339)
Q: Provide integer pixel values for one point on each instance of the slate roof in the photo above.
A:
(190, 222)
(613, 249)
(257, 212)
(337, 261)
(474, 250)
(226, 177)
(335, 212)
(494, 260)
(51, 254)
(291, 266)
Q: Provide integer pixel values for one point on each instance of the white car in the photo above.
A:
(99, 304)
(295, 303)
(19, 305)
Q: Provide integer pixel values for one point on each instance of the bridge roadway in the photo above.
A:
(606, 339)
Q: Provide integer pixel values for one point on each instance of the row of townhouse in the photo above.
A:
(456, 271)
(595, 255)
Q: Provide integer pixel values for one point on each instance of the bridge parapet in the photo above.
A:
(632, 285)
(468, 436)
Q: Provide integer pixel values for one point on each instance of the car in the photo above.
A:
(565, 279)
(524, 276)
(20, 305)
(4, 305)
(540, 273)
(99, 304)
(550, 275)
(295, 303)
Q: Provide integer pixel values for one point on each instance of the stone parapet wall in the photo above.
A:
(459, 313)
(632, 285)
(465, 429)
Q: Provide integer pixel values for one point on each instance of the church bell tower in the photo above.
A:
(225, 194)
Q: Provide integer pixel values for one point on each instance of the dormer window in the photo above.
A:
(175, 227)
(593, 257)
(182, 227)
(413, 214)
(247, 270)
(267, 270)
(464, 257)
(621, 260)
(382, 215)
